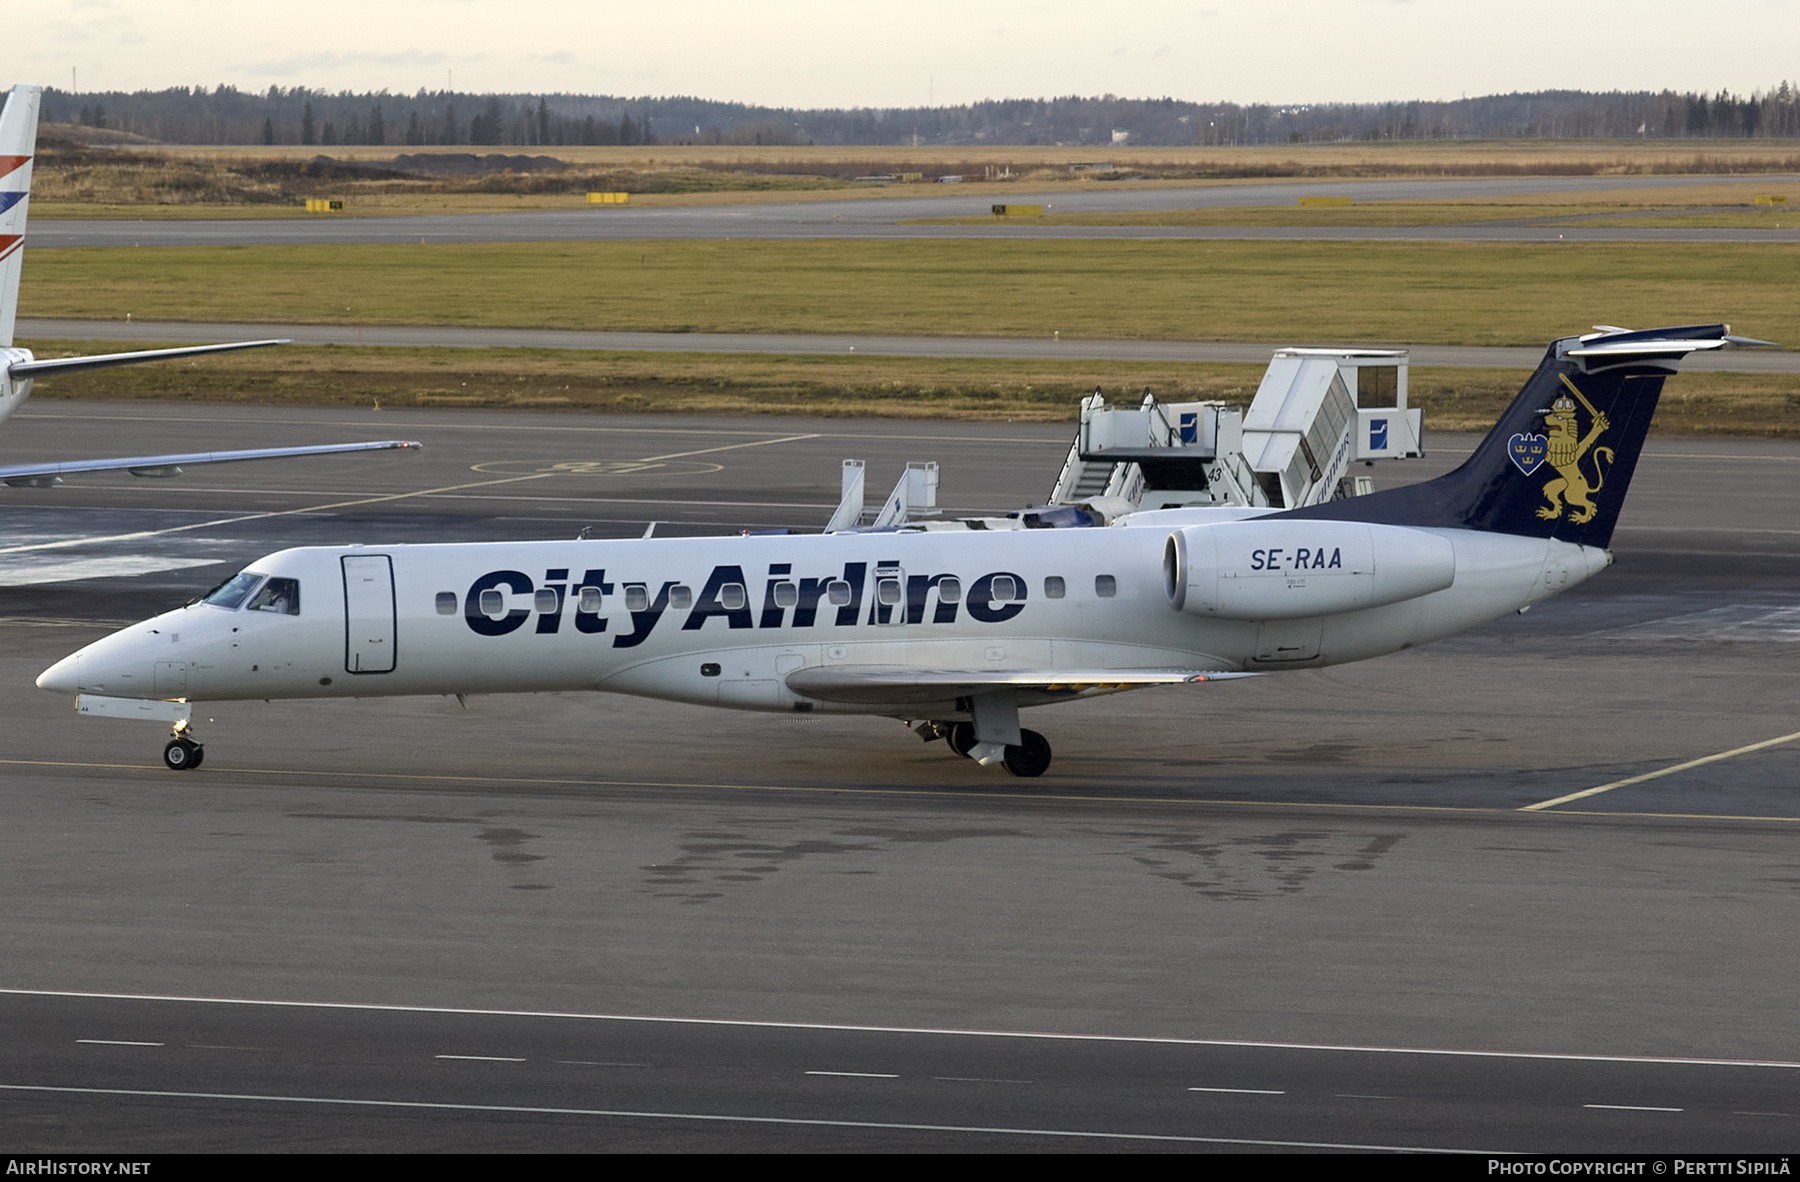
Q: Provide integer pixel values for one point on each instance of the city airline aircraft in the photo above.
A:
(953, 631)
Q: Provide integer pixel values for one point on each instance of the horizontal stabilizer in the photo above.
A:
(898, 685)
(44, 474)
(33, 369)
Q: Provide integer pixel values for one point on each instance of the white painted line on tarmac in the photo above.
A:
(1242, 1091)
(402, 496)
(575, 428)
(857, 1074)
(849, 1028)
(1668, 771)
(211, 490)
(25, 574)
(593, 1063)
(177, 529)
(978, 1079)
(481, 1058)
(1633, 1108)
(720, 1118)
(117, 1042)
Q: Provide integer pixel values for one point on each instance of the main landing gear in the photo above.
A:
(182, 753)
(1030, 757)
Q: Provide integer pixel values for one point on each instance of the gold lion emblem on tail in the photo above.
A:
(1565, 446)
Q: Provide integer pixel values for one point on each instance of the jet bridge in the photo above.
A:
(1316, 412)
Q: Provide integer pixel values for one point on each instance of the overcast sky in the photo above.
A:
(847, 53)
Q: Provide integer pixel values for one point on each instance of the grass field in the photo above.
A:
(1727, 204)
(1414, 213)
(75, 180)
(1281, 292)
(1417, 157)
(934, 388)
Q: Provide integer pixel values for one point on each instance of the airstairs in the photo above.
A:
(1316, 413)
(913, 498)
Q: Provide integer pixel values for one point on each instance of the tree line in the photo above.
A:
(298, 115)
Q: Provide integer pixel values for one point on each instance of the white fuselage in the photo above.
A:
(511, 617)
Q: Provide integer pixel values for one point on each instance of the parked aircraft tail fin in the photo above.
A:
(1558, 462)
(18, 143)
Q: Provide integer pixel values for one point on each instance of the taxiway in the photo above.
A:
(1314, 909)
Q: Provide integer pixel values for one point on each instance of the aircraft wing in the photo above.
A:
(40, 475)
(899, 684)
(32, 369)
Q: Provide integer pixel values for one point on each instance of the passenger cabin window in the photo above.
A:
(681, 597)
(637, 597)
(446, 603)
(493, 602)
(732, 597)
(1054, 587)
(1105, 586)
(281, 596)
(889, 590)
(1005, 589)
(786, 594)
(544, 601)
(837, 592)
(587, 601)
(234, 590)
(949, 589)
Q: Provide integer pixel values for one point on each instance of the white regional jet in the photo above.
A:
(955, 631)
(18, 368)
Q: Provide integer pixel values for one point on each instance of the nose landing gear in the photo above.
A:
(182, 753)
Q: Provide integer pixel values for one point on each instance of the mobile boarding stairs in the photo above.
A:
(1316, 413)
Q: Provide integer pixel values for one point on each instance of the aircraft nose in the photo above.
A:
(62, 677)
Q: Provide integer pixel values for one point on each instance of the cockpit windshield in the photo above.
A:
(281, 596)
(234, 590)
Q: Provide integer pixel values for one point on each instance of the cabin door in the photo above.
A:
(368, 613)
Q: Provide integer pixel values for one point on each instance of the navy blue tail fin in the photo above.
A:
(1558, 462)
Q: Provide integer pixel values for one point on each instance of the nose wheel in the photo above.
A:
(182, 753)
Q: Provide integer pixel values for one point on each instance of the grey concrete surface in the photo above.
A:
(881, 219)
(1326, 857)
(142, 1073)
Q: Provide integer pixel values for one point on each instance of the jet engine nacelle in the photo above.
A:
(1279, 570)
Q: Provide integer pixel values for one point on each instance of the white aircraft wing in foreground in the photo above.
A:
(955, 631)
(19, 369)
